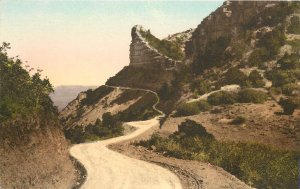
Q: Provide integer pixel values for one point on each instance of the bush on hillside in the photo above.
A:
(282, 77)
(289, 61)
(203, 105)
(107, 128)
(23, 95)
(191, 128)
(235, 76)
(258, 57)
(222, 97)
(238, 120)
(290, 104)
(256, 79)
(294, 27)
(290, 89)
(258, 165)
(252, 96)
(200, 86)
(193, 108)
(272, 41)
(187, 109)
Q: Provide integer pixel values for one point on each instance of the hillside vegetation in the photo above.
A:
(258, 165)
(28, 121)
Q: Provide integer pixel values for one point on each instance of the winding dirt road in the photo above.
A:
(112, 170)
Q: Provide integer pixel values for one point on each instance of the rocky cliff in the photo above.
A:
(228, 20)
(238, 21)
(141, 53)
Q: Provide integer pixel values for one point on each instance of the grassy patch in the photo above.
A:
(256, 164)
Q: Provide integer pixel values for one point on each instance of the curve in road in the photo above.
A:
(107, 169)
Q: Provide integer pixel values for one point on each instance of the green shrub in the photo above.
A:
(289, 89)
(258, 57)
(294, 26)
(289, 61)
(290, 104)
(295, 44)
(238, 120)
(235, 76)
(256, 79)
(200, 86)
(272, 41)
(187, 109)
(282, 77)
(108, 128)
(23, 95)
(267, 47)
(222, 97)
(191, 128)
(203, 105)
(252, 96)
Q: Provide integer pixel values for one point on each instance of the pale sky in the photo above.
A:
(86, 42)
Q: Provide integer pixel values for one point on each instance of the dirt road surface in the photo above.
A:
(112, 170)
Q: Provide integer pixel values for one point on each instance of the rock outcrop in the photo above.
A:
(142, 54)
(227, 21)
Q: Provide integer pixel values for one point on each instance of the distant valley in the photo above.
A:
(65, 93)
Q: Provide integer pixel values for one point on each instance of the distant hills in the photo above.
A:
(66, 93)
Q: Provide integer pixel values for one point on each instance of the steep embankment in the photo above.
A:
(33, 149)
(35, 159)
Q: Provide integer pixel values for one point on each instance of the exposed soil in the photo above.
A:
(264, 124)
(42, 162)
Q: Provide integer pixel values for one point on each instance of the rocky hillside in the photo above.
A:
(33, 150)
(237, 82)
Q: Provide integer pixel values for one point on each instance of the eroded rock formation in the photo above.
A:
(142, 54)
(227, 21)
